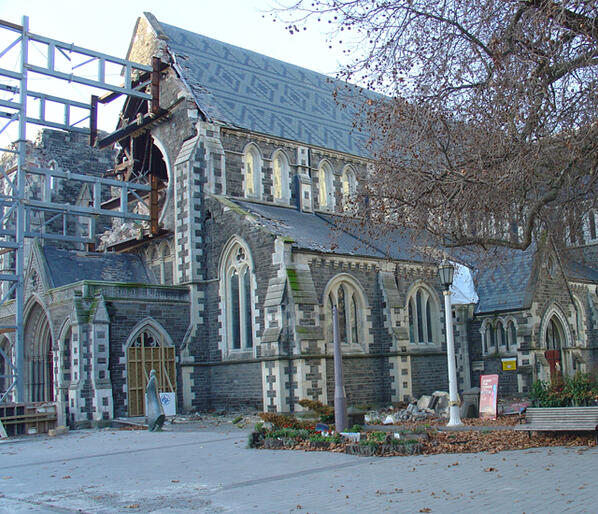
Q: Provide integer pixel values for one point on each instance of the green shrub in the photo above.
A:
(578, 390)
(355, 428)
(282, 433)
(582, 388)
(303, 433)
(369, 442)
(378, 437)
(335, 438)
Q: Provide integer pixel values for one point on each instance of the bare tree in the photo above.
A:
(486, 135)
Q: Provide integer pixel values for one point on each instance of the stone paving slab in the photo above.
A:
(212, 471)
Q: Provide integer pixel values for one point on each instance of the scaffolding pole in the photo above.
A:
(17, 211)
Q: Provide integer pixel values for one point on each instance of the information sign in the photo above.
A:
(488, 396)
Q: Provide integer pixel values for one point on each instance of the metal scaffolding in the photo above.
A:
(23, 216)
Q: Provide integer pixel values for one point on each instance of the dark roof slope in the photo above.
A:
(393, 243)
(248, 90)
(328, 233)
(577, 271)
(505, 286)
(69, 266)
(308, 231)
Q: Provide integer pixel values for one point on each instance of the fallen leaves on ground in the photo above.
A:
(499, 440)
(501, 421)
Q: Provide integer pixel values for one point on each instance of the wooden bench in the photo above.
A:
(553, 419)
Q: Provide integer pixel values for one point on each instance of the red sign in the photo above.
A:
(488, 396)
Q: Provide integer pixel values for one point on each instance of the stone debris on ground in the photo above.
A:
(210, 419)
(427, 408)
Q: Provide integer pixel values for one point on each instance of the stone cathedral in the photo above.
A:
(230, 299)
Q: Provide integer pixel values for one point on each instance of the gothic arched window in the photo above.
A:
(501, 339)
(511, 336)
(349, 187)
(253, 170)
(147, 339)
(326, 187)
(488, 338)
(423, 317)
(280, 177)
(161, 262)
(351, 310)
(237, 299)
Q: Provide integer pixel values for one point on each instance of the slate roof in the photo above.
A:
(577, 271)
(328, 233)
(505, 286)
(251, 91)
(69, 266)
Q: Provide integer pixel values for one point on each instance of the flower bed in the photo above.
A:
(411, 441)
(370, 443)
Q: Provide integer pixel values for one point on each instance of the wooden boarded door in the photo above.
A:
(146, 353)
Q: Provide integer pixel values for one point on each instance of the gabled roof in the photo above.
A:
(69, 266)
(251, 91)
(506, 286)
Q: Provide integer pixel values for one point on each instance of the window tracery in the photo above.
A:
(424, 316)
(237, 299)
(351, 311)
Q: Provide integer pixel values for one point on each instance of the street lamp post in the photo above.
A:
(446, 271)
(340, 398)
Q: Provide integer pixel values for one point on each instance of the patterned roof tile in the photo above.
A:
(251, 91)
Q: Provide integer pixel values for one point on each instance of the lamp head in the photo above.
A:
(446, 272)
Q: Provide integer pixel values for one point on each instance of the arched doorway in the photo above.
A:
(555, 339)
(148, 350)
(39, 374)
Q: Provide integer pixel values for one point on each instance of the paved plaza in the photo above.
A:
(211, 470)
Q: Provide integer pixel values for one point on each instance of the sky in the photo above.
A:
(107, 26)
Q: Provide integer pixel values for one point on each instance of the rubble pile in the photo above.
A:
(428, 407)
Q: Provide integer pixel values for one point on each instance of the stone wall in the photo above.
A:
(429, 373)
